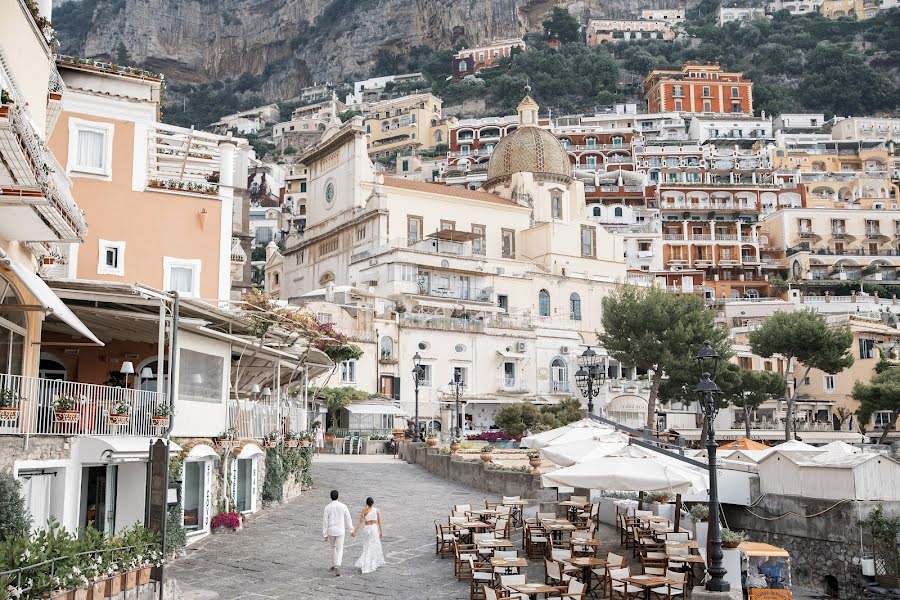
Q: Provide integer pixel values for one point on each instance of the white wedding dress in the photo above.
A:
(371, 557)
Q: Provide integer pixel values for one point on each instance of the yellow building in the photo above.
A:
(861, 9)
(408, 122)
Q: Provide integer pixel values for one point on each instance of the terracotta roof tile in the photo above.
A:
(445, 190)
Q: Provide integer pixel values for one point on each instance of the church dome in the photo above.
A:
(529, 148)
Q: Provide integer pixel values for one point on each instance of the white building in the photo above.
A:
(703, 128)
(247, 121)
(372, 89)
(866, 128)
(740, 14)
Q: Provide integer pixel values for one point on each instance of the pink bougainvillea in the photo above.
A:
(232, 520)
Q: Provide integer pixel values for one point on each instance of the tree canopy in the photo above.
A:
(336, 398)
(561, 25)
(882, 393)
(516, 419)
(806, 337)
(661, 332)
(755, 387)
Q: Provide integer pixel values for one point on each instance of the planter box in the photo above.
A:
(66, 416)
(10, 413)
(131, 579)
(159, 421)
(143, 576)
(113, 586)
(118, 419)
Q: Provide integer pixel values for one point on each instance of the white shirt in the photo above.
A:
(319, 433)
(336, 519)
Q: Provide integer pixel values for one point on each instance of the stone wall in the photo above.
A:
(475, 474)
(47, 447)
(826, 544)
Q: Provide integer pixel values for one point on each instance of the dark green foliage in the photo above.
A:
(273, 485)
(14, 518)
(562, 26)
(881, 393)
(176, 538)
(121, 53)
(516, 419)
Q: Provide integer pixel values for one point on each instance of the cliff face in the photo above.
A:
(288, 44)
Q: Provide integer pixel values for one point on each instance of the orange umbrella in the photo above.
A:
(744, 444)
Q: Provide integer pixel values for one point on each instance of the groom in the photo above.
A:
(334, 524)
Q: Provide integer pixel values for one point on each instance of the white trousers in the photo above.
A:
(337, 549)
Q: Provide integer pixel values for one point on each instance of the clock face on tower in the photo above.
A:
(329, 194)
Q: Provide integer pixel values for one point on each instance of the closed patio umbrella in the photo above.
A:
(630, 469)
(570, 453)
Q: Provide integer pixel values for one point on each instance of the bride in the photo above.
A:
(370, 522)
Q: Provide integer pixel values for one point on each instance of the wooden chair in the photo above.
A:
(501, 529)
(444, 540)
(555, 573)
(545, 515)
(481, 575)
(492, 594)
(620, 589)
(463, 508)
(581, 534)
(678, 536)
(613, 561)
(461, 555)
(537, 541)
(573, 591)
(653, 559)
(671, 590)
(508, 580)
(583, 499)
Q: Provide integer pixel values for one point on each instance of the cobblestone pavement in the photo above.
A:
(281, 553)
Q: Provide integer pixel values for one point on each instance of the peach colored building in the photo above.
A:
(158, 198)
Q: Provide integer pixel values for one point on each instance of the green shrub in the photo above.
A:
(14, 518)
(273, 485)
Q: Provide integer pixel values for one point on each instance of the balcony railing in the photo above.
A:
(93, 406)
(458, 292)
(259, 420)
(183, 160)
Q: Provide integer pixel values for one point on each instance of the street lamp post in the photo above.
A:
(417, 373)
(457, 386)
(708, 390)
(590, 376)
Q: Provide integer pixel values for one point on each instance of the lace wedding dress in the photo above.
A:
(372, 556)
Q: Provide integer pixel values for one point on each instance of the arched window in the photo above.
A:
(618, 211)
(438, 136)
(598, 212)
(559, 375)
(575, 307)
(544, 303)
(387, 347)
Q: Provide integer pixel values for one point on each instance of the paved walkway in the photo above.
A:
(281, 553)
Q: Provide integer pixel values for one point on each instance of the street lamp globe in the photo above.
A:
(582, 378)
(589, 358)
(708, 359)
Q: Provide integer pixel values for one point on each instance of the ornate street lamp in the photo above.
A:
(457, 386)
(590, 376)
(708, 361)
(418, 373)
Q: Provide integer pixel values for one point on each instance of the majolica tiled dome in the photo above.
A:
(529, 148)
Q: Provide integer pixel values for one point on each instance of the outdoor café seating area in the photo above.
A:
(508, 549)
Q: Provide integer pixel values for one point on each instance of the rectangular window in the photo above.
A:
(323, 318)
(503, 302)
(707, 106)
(90, 147)
(745, 362)
(406, 272)
(508, 243)
(509, 375)
(425, 381)
(413, 229)
(706, 93)
(677, 91)
(300, 256)
(556, 207)
(735, 92)
(866, 348)
(182, 276)
(478, 244)
(112, 258)
(360, 233)
(201, 376)
(588, 241)
(678, 105)
(829, 383)
(194, 494)
(735, 107)
(461, 374)
(448, 225)
(348, 371)
(302, 187)
(328, 246)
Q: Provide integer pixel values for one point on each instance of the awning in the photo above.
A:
(373, 409)
(45, 296)
(201, 451)
(508, 354)
(452, 235)
(116, 448)
(250, 451)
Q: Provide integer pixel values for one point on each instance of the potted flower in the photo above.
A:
(305, 439)
(9, 405)
(455, 444)
(486, 453)
(65, 408)
(290, 440)
(431, 439)
(118, 414)
(700, 512)
(271, 440)
(732, 539)
(227, 522)
(160, 416)
(113, 580)
(534, 459)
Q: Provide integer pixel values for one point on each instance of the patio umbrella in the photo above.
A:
(743, 444)
(573, 432)
(632, 469)
(572, 452)
(840, 448)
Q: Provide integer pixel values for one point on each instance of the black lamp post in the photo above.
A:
(417, 373)
(707, 389)
(590, 376)
(457, 386)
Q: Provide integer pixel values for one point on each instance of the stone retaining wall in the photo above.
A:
(475, 474)
(40, 447)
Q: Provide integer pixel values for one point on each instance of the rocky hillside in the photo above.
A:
(287, 44)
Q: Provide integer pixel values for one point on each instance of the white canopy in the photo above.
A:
(584, 429)
(630, 469)
(840, 448)
(574, 452)
(373, 409)
(113, 449)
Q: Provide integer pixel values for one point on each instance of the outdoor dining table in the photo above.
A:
(516, 512)
(496, 544)
(533, 589)
(508, 564)
(592, 543)
(587, 564)
(556, 528)
(472, 526)
(572, 507)
(691, 544)
(648, 582)
(484, 514)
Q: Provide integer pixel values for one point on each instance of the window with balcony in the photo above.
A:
(575, 307)
(111, 258)
(559, 375)
(508, 243)
(90, 147)
(510, 375)
(677, 91)
(182, 276)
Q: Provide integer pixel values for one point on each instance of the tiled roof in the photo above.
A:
(445, 190)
